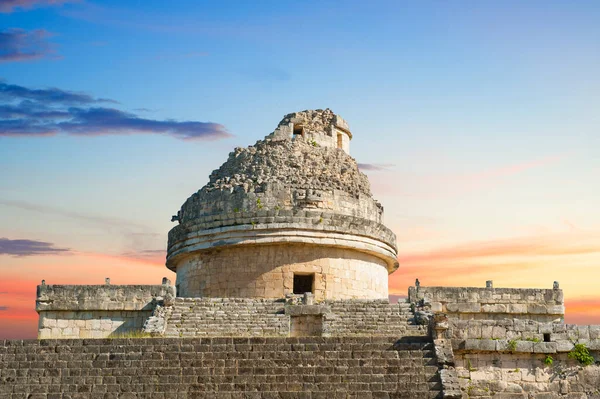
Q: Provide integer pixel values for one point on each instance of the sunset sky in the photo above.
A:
(478, 124)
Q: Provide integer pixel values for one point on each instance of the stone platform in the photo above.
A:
(310, 367)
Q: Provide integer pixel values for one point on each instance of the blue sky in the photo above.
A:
(482, 118)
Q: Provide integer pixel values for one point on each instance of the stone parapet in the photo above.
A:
(100, 297)
(543, 305)
(97, 311)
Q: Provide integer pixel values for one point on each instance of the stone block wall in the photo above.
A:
(155, 368)
(518, 358)
(519, 329)
(466, 303)
(96, 311)
(267, 271)
(529, 369)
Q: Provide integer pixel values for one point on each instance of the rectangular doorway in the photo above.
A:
(303, 283)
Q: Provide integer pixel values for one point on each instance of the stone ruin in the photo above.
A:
(282, 264)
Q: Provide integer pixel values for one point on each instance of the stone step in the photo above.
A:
(201, 394)
(307, 367)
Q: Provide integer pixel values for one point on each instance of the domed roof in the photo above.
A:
(301, 174)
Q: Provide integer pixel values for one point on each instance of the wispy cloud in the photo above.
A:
(552, 245)
(91, 218)
(155, 256)
(28, 248)
(375, 167)
(8, 6)
(3, 308)
(447, 185)
(582, 310)
(18, 45)
(47, 97)
(528, 256)
(44, 112)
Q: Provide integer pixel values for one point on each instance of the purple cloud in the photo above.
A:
(8, 6)
(3, 308)
(44, 112)
(21, 45)
(45, 97)
(94, 121)
(28, 248)
(375, 167)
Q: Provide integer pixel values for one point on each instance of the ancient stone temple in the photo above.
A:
(289, 215)
(282, 264)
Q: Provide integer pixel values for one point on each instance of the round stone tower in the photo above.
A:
(289, 215)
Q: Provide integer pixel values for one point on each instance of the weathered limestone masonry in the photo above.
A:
(97, 311)
(288, 215)
(245, 317)
(509, 342)
(468, 303)
(219, 368)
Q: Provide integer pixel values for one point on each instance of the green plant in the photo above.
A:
(470, 366)
(548, 361)
(313, 143)
(512, 345)
(470, 389)
(582, 354)
(236, 210)
(533, 339)
(321, 220)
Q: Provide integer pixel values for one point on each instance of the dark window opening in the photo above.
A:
(303, 283)
(547, 337)
(298, 131)
(177, 290)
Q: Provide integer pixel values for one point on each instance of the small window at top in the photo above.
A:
(298, 130)
(339, 140)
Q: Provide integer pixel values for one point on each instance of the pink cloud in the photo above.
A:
(8, 6)
(447, 185)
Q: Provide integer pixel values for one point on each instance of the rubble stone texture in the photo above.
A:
(293, 203)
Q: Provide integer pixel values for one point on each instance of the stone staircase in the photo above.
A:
(240, 317)
(278, 368)
(380, 318)
(223, 317)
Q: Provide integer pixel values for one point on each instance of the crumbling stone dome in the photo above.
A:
(290, 214)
